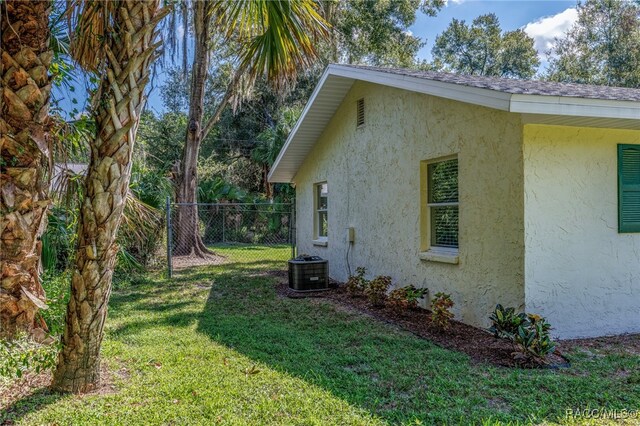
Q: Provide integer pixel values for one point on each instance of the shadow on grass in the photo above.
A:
(364, 362)
(34, 401)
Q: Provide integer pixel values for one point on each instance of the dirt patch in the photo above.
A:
(183, 262)
(478, 344)
(600, 346)
(31, 384)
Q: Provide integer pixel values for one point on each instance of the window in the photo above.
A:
(360, 112)
(442, 203)
(628, 188)
(321, 217)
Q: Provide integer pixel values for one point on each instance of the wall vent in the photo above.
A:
(360, 112)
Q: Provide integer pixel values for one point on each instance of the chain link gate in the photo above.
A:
(203, 234)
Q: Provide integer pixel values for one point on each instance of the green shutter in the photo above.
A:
(628, 188)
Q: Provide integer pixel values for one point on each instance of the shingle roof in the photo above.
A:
(519, 87)
(538, 102)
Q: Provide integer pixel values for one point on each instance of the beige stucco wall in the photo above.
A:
(580, 272)
(374, 185)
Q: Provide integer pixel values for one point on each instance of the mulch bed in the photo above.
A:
(479, 345)
(184, 262)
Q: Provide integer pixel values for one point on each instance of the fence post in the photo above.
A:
(292, 230)
(169, 239)
(224, 221)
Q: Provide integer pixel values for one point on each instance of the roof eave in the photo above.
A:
(516, 103)
(574, 107)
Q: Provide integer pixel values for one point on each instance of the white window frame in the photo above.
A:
(320, 240)
(431, 252)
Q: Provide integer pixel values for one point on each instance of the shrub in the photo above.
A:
(376, 290)
(405, 298)
(441, 314)
(505, 322)
(357, 283)
(57, 289)
(532, 341)
(23, 354)
(59, 238)
(529, 334)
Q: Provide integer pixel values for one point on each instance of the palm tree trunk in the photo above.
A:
(130, 51)
(188, 240)
(24, 155)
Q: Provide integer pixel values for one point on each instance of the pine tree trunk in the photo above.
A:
(188, 239)
(24, 153)
(130, 51)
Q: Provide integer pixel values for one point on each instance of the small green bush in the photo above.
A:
(57, 287)
(376, 290)
(405, 298)
(532, 342)
(505, 322)
(529, 334)
(441, 314)
(357, 283)
(23, 354)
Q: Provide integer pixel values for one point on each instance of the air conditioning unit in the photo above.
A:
(308, 273)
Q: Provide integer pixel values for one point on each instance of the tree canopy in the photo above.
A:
(483, 49)
(602, 47)
(375, 32)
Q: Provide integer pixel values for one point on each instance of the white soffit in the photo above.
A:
(324, 101)
(337, 80)
(563, 120)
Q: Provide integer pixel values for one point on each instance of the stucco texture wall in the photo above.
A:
(374, 186)
(580, 272)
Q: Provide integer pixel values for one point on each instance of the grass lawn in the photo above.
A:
(217, 345)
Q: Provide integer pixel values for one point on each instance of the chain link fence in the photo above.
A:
(204, 234)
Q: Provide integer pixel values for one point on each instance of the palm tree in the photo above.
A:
(117, 41)
(274, 39)
(24, 160)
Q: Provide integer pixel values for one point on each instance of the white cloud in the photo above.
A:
(546, 29)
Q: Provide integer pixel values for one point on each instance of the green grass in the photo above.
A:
(218, 346)
(252, 254)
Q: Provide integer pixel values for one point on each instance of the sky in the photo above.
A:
(542, 20)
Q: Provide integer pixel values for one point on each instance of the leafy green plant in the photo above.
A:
(505, 322)
(529, 334)
(56, 287)
(357, 283)
(532, 342)
(441, 314)
(23, 354)
(376, 290)
(405, 298)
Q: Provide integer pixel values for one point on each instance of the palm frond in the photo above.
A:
(276, 37)
(139, 221)
(92, 24)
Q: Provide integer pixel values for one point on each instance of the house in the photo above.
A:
(524, 193)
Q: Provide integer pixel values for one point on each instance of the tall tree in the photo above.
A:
(375, 32)
(188, 236)
(483, 49)
(274, 39)
(117, 40)
(24, 155)
(602, 47)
